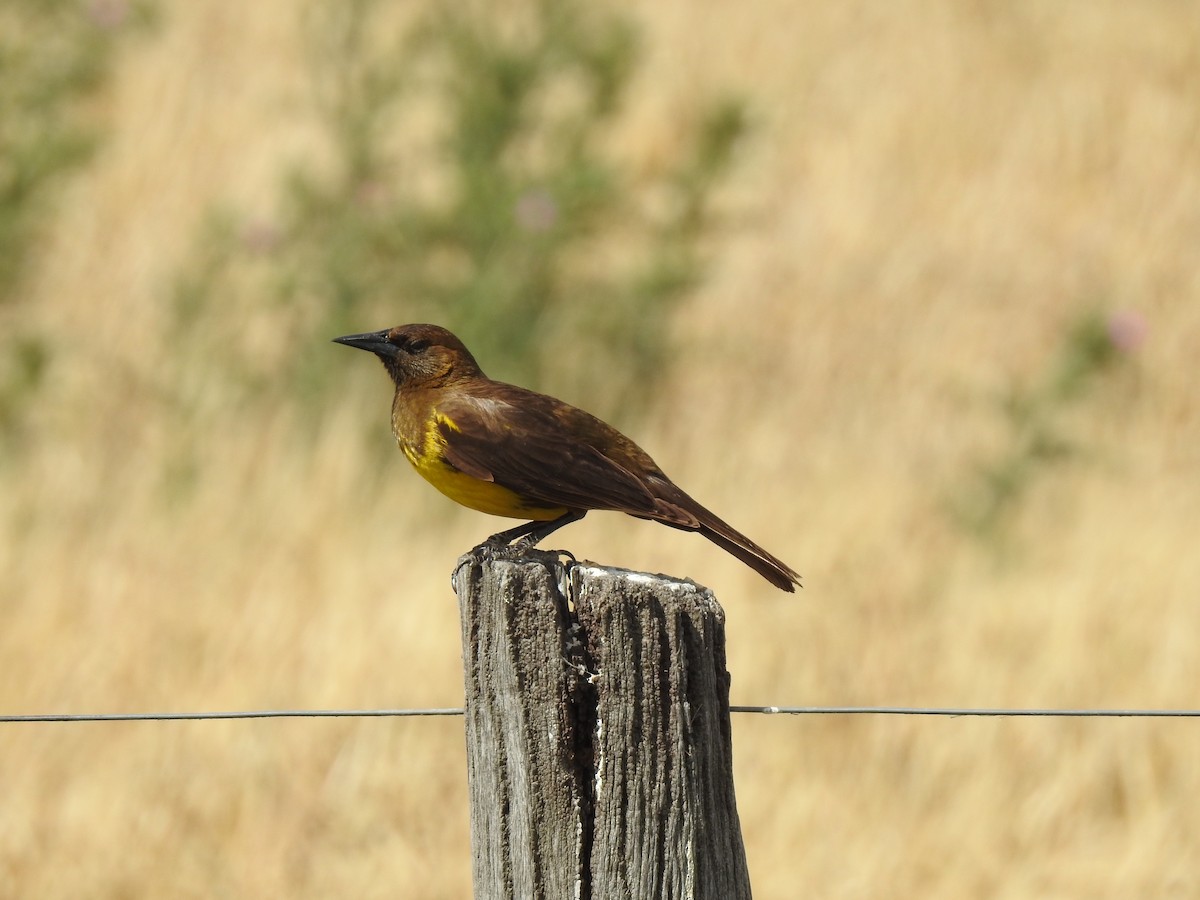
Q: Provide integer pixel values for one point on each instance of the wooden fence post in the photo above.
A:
(598, 741)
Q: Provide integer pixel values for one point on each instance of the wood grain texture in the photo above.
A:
(526, 822)
(666, 823)
(598, 739)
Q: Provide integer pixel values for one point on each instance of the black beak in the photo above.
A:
(375, 341)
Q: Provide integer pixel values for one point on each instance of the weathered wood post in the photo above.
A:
(598, 741)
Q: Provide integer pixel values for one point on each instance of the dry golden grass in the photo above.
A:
(935, 190)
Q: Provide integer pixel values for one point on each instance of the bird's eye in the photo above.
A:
(417, 346)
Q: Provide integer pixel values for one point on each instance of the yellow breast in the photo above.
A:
(429, 459)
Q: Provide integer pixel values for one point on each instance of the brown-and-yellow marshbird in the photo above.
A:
(508, 451)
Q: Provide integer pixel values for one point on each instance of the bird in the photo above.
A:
(508, 451)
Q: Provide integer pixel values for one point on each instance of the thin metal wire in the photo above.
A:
(956, 712)
(248, 714)
(951, 712)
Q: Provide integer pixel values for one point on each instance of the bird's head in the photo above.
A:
(416, 355)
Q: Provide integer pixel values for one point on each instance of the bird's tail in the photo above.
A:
(769, 567)
(679, 510)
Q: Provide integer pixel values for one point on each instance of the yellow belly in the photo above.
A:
(484, 496)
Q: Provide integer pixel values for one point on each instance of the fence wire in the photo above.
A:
(948, 712)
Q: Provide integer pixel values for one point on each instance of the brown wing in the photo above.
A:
(554, 454)
(546, 451)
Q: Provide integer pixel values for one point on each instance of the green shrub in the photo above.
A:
(1094, 344)
(54, 55)
(471, 184)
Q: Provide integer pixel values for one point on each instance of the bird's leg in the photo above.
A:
(504, 538)
(529, 534)
(542, 530)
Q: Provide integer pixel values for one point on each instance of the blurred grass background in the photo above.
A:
(913, 286)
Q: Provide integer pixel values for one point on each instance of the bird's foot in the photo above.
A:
(523, 545)
(517, 542)
(495, 548)
(522, 548)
